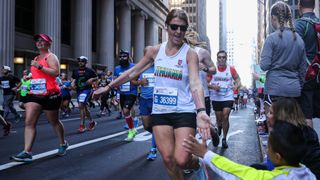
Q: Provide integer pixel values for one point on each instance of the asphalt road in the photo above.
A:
(104, 154)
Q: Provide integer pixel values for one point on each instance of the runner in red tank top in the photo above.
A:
(44, 95)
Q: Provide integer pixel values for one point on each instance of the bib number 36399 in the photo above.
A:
(165, 99)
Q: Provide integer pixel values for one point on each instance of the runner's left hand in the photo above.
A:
(203, 124)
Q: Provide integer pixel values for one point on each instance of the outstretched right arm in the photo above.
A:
(135, 71)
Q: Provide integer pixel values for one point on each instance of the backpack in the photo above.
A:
(313, 71)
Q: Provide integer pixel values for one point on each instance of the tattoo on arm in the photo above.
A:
(197, 100)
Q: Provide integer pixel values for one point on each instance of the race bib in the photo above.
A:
(24, 88)
(125, 87)
(38, 86)
(82, 97)
(165, 99)
(222, 91)
(150, 78)
(5, 84)
(235, 96)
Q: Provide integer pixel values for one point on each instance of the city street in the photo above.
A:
(104, 153)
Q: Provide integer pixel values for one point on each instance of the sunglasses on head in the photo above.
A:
(174, 27)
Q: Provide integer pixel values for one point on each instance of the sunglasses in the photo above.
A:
(222, 57)
(174, 27)
(123, 57)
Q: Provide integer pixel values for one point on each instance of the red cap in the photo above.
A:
(44, 37)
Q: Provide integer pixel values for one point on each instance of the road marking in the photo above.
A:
(53, 152)
(234, 133)
(143, 136)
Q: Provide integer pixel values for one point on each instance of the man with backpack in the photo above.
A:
(305, 27)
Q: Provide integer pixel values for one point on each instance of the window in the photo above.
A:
(24, 16)
(159, 35)
(94, 26)
(66, 22)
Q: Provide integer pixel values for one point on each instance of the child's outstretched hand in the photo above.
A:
(191, 145)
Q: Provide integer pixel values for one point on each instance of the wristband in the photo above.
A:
(201, 109)
(40, 67)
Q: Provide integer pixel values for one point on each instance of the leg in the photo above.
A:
(53, 118)
(165, 135)
(184, 159)
(33, 111)
(225, 121)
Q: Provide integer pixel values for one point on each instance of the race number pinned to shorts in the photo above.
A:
(82, 97)
(38, 86)
(165, 99)
(125, 87)
(150, 78)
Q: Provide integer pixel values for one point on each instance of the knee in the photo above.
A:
(182, 162)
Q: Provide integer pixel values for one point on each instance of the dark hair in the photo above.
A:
(222, 51)
(307, 3)
(177, 13)
(288, 140)
(282, 11)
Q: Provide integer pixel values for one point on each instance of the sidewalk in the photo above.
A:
(263, 139)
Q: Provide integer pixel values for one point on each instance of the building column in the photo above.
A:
(7, 32)
(316, 9)
(125, 25)
(106, 36)
(48, 21)
(82, 39)
(151, 35)
(139, 35)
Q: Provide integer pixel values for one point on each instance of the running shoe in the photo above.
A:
(152, 154)
(136, 122)
(22, 157)
(82, 129)
(92, 125)
(62, 150)
(214, 136)
(7, 129)
(125, 126)
(187, 171)
(224, 144)
(202, 172)
(131, 134)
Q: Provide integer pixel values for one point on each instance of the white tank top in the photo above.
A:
(172, 90)
(203, 78)
(224, 80)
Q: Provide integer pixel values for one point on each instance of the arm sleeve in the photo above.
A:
(266, 55)
(231, 170)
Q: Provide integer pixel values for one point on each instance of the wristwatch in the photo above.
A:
(201, 109)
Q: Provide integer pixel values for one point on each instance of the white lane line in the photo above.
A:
(52, 152)
(234, 133)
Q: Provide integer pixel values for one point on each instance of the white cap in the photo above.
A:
(82, 57)
(7, 68)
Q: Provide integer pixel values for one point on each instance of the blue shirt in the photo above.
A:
(126, 88)
(147, 90)
(64, 90)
